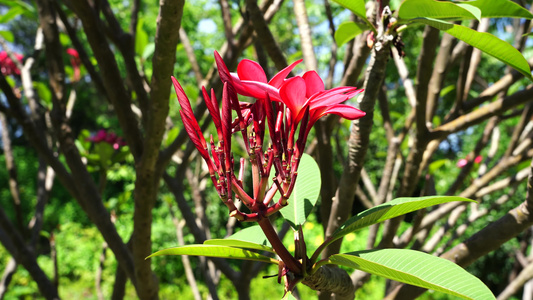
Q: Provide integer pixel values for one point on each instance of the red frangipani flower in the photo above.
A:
(287, 106)
(8, 66)
(250, 80)
(107, 137)
(75, 61)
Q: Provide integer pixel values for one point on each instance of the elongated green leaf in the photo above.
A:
(411, 9)
(501, 9)
(356, 6)
(347, 31)
(476, 12)
(305, 192)
(7, 35)
(238, 244)
(417, 268)
(253, 234)
(389, 210)
(11, 14)
(215, 251)
(485, 42)
(141, 38)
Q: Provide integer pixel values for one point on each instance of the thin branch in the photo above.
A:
(112, 79)
(474, 60)
(226, 21)
(14, 243)
(265, 35)
(412, 166)
(12, 172)
(189, 50)
(300, 12)
(437, 77)
(333, 58)
(358, 143)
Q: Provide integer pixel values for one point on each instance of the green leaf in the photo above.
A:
(411, 9)
(305, 192)
(253, 234)
(476, 12)
(501, 9)
(11, 14)
(356, 6)
(238, 244)
(389, 210)
(485, 42)
(148, 51)
(347, 31)
(44, 93)
(141, 38)
(434, 166)
(251, 238)
(19, 3)
(7, 35)
(171, 136)
(215, 251)
(417, 268)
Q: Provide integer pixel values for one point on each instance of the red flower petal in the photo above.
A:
(73, 52)
(250, 70)
(313, 83)
(292, 94)
(258, 89)
(279, 78)
(342, 110)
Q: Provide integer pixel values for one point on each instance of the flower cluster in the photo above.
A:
(464, 161)
(288, 108)
(7, 66)
(107, 137)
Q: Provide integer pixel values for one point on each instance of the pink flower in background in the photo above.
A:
(7, 66)
(107, 137)
(75, 62)
(464, 161)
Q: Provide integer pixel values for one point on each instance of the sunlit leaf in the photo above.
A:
(238, 244)
(485, 42)
(501, 9)
(434, 166)
(389, 210)
(253, 234)
(215, 251)
(417, 268)
(7, 35)
(305, 192)
(141, 38)
(148, 51)
(358, 8)
(11, 14)
(347, 31)
(411, 9)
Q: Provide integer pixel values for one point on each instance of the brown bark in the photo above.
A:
(358, 144)
(15, 245)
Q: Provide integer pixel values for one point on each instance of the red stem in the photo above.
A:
(289, 260)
